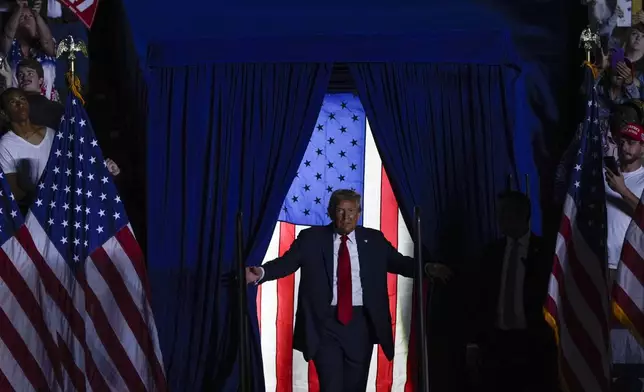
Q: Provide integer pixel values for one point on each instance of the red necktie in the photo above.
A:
(345, 306)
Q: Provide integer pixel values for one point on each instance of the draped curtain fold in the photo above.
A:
(444, 132)
(221, 138)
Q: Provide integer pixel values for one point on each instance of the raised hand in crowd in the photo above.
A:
(625, 72)
(5, 72)
(112, 167)
(37, 6)
(22, 3)
(638, 18)
(619, 12)
(605, 60)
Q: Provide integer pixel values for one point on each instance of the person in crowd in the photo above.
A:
(30, 80)
(631, 111)
(632, 50)
(617, 85)
(623, 191)
(516, 345)
(25, 148)
(27, 35)
(343, 302)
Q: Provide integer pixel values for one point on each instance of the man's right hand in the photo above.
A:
(253, 274)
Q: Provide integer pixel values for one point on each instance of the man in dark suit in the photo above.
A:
(516, 344)
(343, 305)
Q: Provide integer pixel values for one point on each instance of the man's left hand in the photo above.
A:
(616, 182)
(438, 271)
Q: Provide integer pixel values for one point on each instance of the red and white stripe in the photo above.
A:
(628, 288)
(285, 369)
(577, 309)
(62, 331)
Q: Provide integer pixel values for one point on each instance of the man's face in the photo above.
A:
(345, 217)
(16, 107)
(630, 150)
(512, 223)
(29, 80)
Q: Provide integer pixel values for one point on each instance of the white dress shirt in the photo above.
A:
(519, 311)
(356, 284)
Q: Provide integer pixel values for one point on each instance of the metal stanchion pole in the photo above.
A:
(242, 311)
(420, 305)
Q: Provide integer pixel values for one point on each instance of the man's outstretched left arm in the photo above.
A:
(406, 266)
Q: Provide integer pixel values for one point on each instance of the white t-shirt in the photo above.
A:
(28, 160)
(619, 214)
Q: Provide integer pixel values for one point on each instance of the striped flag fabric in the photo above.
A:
(284, 368)
(628, 288)
(87, 275)
(28, 351)
(577, 303)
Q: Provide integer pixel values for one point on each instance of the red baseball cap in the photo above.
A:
(633, 131)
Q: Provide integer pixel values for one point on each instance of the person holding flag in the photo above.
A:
(79, 260)
(26, 147)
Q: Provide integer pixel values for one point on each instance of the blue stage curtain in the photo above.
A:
(444, 132)
(221, 138)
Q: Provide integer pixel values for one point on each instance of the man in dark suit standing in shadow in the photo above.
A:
(516, 345)
(343, 304)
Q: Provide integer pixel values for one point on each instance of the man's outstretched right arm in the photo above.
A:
(277, 268)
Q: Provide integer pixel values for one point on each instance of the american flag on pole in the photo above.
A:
(341, 154)
(83, 276)
(628, 288)
(577, 304)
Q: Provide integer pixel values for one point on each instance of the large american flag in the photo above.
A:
(341, 154)
(77, 294)
(577, 304)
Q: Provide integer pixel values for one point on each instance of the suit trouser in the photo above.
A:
(343, 357)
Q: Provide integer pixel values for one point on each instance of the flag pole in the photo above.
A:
(420, 305)
(71, 46)
(589, 40)
(242, 311)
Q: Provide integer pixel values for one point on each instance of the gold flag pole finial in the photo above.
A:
(71, 46)
(589, 40)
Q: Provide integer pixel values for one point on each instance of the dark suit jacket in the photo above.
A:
(488, 284)
(312, 252)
